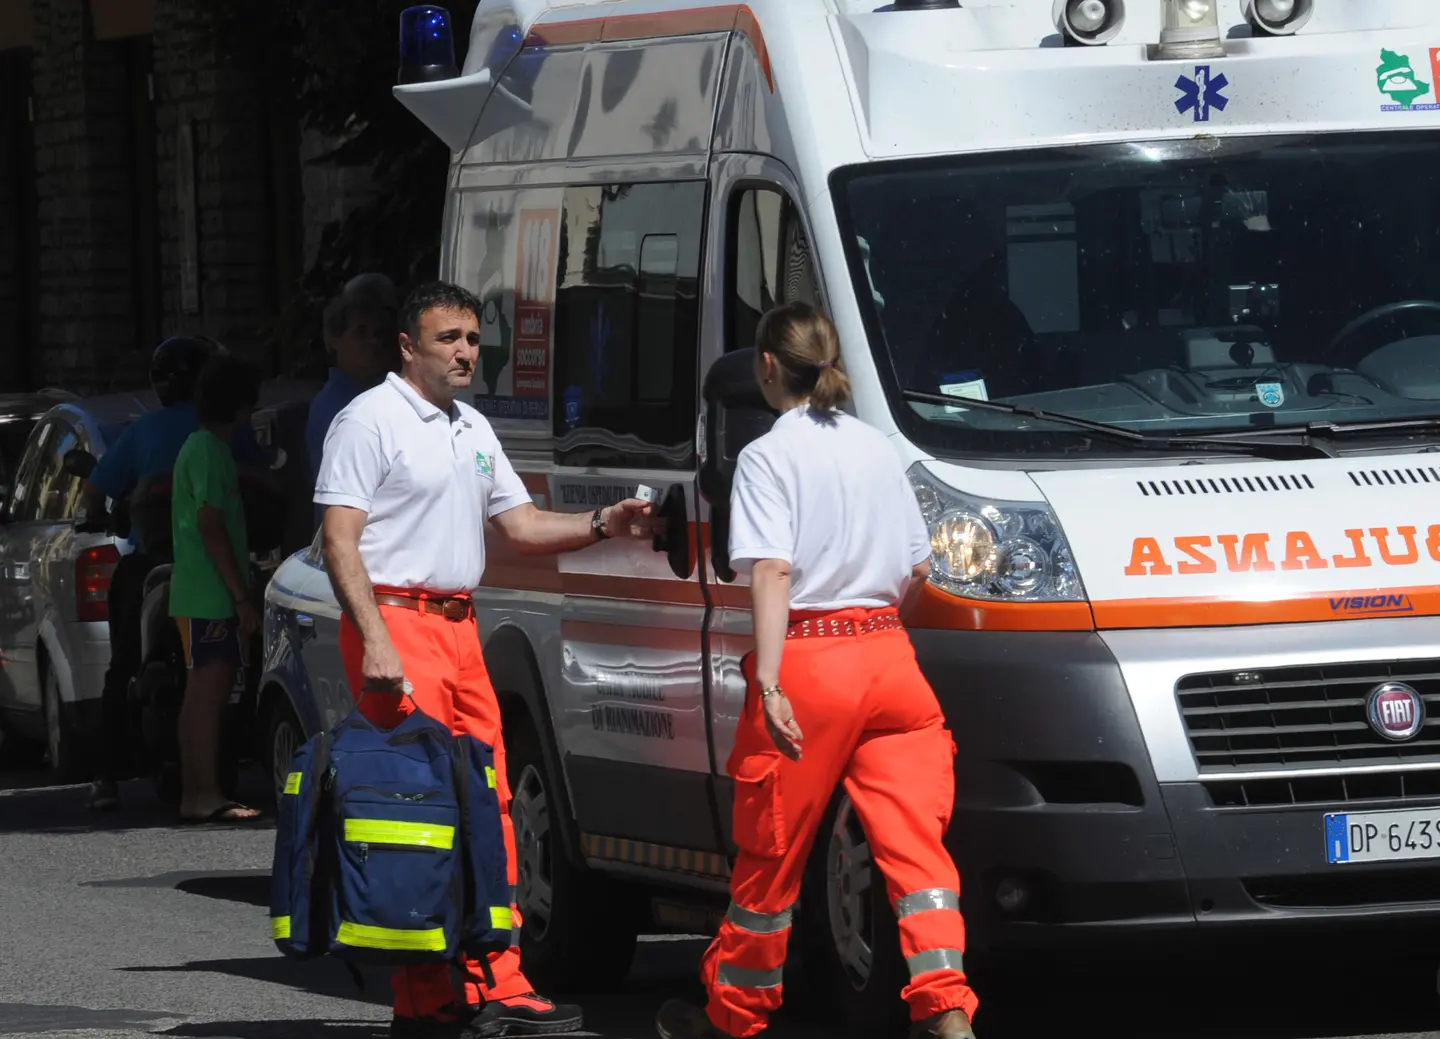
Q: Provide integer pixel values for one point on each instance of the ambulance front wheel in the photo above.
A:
(852, 943)
(579, 929)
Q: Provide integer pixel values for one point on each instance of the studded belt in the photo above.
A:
(452, 609)
(825, 627)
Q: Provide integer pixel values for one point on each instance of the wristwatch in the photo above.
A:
(598, 525)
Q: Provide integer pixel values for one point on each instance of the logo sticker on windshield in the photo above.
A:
(1271, 394)
(1202, 93)
(1398, 81)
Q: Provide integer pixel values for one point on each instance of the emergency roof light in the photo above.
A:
(1278, 17)
(1190, 29)
(427, 45)
(1088, 22)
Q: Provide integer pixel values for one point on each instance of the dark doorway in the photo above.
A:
(19, 232)
(139, 61)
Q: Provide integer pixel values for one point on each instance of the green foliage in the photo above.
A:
(333, 63)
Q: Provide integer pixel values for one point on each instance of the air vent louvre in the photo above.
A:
(1224, 485)
(1395, 477)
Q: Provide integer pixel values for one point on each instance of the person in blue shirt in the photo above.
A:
(362, 335)
(147, 448)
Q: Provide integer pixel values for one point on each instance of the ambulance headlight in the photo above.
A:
(995, 550)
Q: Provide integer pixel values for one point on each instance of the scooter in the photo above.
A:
(157, 692)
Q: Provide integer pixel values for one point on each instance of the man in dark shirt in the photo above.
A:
(361, 334)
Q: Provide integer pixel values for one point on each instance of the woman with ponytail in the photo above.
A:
(827, 525)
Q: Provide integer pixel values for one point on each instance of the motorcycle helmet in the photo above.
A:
(176, 364)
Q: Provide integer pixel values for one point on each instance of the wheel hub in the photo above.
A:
(282, 753)
(530, 816)
(848, 876)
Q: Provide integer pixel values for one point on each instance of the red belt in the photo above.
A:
(454, 608)
(825, 627)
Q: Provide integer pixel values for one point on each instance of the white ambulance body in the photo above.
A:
(1154, 317)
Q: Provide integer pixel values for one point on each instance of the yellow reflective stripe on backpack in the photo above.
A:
(501, 918)
(490, 776)
(292, 783)
(389, 831)
(363, 936)
(279, 927)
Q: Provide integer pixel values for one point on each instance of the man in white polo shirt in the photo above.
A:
(408, 478)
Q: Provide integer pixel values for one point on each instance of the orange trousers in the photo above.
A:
(870, 720)
(444, 664)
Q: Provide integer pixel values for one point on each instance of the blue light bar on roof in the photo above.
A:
(427, 45)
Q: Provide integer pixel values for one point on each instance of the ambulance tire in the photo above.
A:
(850, 941)
(584, 937)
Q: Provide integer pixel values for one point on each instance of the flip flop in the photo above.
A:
(219, 816)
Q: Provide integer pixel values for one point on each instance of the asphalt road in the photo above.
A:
(129, 926)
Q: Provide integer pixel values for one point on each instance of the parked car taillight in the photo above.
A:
(93, 571)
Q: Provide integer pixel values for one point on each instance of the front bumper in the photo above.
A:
(1061, 828)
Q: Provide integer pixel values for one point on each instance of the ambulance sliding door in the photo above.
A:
(763, 260)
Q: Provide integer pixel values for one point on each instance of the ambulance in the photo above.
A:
(1146, 295)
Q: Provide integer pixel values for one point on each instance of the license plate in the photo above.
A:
(1383, 836)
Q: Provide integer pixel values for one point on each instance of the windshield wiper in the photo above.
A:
(1283, 449)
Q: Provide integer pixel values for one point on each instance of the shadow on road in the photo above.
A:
(245, 886)
(28, 805)
(307, 1029)
(324, 977)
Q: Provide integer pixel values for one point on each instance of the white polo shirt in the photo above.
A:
(427, 480)
(827, 494)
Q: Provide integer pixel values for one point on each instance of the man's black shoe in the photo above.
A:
(528, 1015)
(451, 1023)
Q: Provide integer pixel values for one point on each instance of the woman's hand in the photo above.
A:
(780, 720)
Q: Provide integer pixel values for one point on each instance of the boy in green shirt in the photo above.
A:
(209, 587)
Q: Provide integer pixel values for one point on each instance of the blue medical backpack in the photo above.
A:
(389, 848)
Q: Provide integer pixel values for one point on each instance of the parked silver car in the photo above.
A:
(54, 582)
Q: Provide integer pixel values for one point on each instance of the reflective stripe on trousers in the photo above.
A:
(759, 923)
(925, 901)
(756, 923)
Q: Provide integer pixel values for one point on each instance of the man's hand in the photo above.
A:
(381, 670)
(780, 720)
(248, 616)
(631, 518)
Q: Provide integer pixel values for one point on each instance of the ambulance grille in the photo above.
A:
(1302, 717)
(1394, 477)
(1341, 788)
(1224, 485)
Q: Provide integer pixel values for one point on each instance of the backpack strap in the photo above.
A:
(320, 865)
(460, 775)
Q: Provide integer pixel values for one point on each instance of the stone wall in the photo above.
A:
(111, 233)
(85, 305)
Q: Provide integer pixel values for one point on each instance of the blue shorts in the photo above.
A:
(208, 641)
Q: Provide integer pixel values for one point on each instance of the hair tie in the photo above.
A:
(825, 364)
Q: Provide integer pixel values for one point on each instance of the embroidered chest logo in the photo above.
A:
(483, 465)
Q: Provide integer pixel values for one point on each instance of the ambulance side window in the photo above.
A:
(769, 261)
(627, 325)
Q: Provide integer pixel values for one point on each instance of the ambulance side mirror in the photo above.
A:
(735, 415)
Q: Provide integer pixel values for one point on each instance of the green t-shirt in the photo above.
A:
(205, 474)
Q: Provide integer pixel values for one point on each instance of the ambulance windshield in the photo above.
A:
(1170, 288)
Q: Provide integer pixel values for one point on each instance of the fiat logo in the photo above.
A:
(1395, 710)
